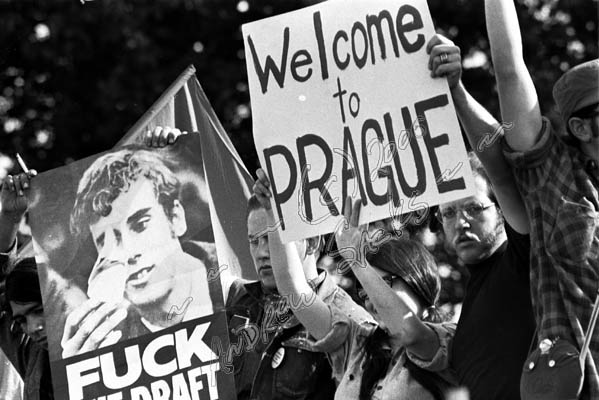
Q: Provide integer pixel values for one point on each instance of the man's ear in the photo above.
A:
(313, 245)
(580, 129)
(177, 217)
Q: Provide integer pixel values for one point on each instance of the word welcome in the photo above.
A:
(348, 46)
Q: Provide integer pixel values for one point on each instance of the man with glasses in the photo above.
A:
(496, 324)
(488, 232)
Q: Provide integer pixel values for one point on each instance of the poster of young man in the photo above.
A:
(129, 267)
(343, 104)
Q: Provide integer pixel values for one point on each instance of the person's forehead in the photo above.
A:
(139, 196)
(458, 203)
(24, 308)
(257, 222)
(481, 195)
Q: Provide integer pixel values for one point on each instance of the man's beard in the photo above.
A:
(491, 240)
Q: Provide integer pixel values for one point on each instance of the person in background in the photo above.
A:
(25, 298)
(27, 355)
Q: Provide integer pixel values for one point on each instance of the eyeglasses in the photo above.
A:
(470, 211)
(362, 295)
(18, 325)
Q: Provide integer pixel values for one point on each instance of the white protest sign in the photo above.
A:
(343, 104)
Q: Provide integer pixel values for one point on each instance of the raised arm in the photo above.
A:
(13, 205)
(517, 94)
(483, 131)
(288, 270)
(400, 318)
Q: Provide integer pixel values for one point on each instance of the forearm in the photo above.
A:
(481, 127)
(484, 134)
(9, 225)
(505, 39)
(288, 272)
(517, 94)
(291, 281)
(400, 317)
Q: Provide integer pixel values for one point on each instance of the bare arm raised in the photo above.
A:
(13, 205)
(314, 314)
(517, 94)
(483, 131)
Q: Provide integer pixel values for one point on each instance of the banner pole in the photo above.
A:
(166, 96)
(587, 340)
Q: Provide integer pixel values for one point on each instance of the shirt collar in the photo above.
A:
(151, 327)
(591, 166)
(317, 282)
(323, 284)
(255, 289)
(481, 266)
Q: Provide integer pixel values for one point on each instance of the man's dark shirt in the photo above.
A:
(496, 325)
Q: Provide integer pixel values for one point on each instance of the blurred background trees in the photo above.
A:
(75, 76)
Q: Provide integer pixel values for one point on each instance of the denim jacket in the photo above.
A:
(275, 357)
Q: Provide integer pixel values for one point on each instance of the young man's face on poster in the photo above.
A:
(134, 242)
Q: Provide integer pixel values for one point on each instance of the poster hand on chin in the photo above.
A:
(90, 326)
(107, 281)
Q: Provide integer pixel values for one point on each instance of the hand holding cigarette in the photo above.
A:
(13, 201)
(21, 181)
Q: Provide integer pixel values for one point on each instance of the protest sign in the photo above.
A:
(343, 104)
(131, 245)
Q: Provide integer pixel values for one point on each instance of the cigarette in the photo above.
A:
(22, 164)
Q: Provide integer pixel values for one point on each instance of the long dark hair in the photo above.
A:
(413, 263)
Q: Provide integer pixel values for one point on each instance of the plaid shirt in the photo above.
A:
(559, 185)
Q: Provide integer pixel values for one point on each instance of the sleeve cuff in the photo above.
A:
(537, 154)
(440, 361)
(339, 333)
(5, 258)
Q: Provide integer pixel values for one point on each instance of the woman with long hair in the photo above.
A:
(400, 286)
(408, 268)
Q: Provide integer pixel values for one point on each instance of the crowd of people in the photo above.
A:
(528, 236)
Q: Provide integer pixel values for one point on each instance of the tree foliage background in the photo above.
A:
(75, 76)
